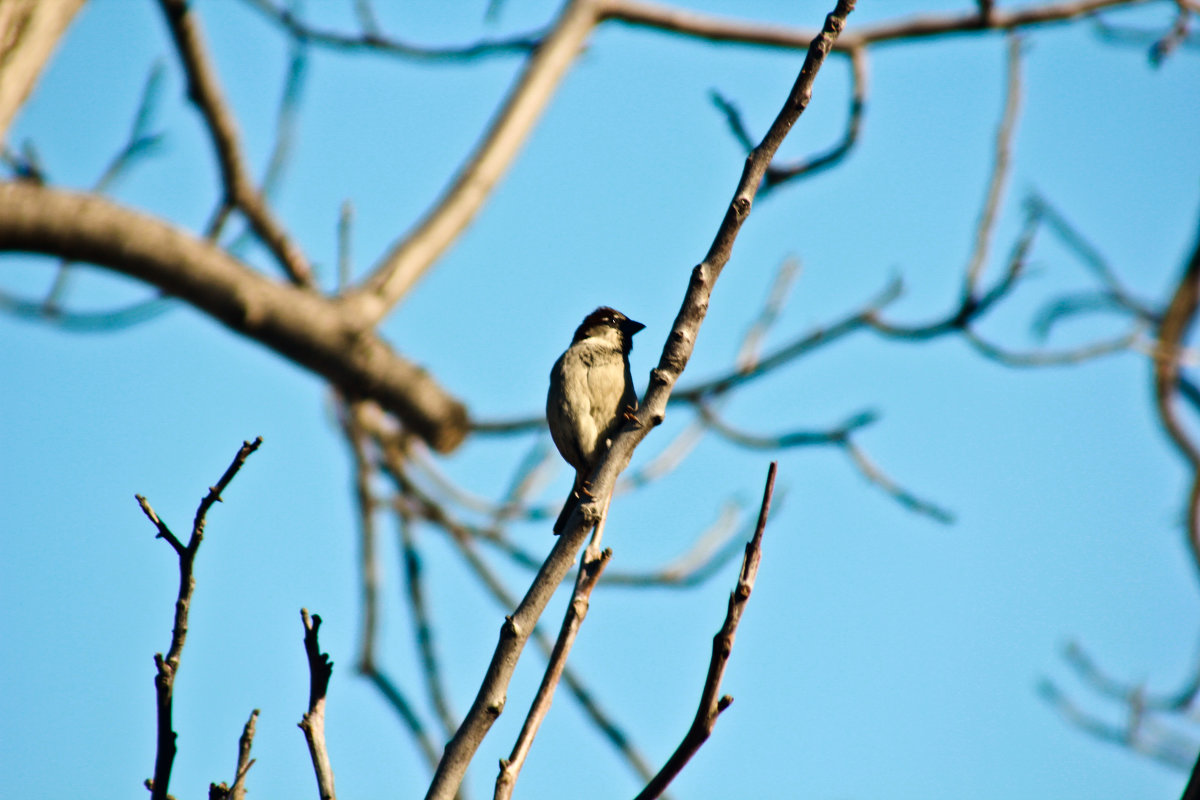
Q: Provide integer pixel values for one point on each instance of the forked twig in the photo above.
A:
(168, 666)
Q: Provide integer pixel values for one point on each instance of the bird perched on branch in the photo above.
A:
(591, 393)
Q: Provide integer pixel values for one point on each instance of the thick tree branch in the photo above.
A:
(319, 334)
(489, 702)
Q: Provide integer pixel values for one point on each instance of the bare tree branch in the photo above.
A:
(414, 254)
(221, 791)
(422, 626)
(1172, 334)
(352, 425)
(412, 500)
(722, 29)
(29, 32)
(168, 667)
(779, 173)
(1137, 733)
(320, 670)
(710, 706)
(371, 39)
(589, 573)
(489, 702)
(1000, 167)
(321, 335)
(205, 92)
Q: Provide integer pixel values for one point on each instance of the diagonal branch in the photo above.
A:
(205, 92)
(710, 706)
(489, 702)
(414, 254)
(29, 30)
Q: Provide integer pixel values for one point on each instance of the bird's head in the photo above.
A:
(610, 325)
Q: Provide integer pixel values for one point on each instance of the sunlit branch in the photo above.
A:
(141, 143)
(298, 324)
(514, 633)
(411, 256)
(592, 565)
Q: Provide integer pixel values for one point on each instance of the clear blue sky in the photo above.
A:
(882, 654)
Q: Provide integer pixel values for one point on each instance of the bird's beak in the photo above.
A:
(629, 327)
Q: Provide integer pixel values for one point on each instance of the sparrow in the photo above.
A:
(591, 393)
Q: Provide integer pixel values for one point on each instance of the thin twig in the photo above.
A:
(320, 670)
(711, 705)
(422, 627)
(222, 791)
(1000, 168)
(1137, 733)
(345, 240)
(1090, 672)
(285, 135)
(779, 174)
(371, 39)
(726, 30)
(589, 573)
(352, 425)
(897, 492)
(464, 540)
(205, 92)
(168, 667)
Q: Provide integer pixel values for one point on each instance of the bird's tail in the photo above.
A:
(568, 507)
